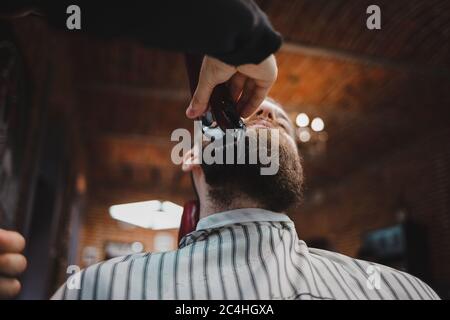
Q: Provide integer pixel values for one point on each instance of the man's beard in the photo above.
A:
(230, 182)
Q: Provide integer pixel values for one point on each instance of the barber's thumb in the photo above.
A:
(200, 99)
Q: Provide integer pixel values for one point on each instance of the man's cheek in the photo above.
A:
(290, 141)
(273, 161)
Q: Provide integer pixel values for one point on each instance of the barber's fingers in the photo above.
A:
(250, 82)
(12, 264)
(212, 73)
(263, 76)
(246, 95)
(9, 288)
(200, 99)
(11, 242)
(256, 98)
(236, 85)
(265, 73)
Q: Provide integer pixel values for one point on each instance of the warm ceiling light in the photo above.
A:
(302, 120)
(304, 135)
(152, 214)
(317, 124)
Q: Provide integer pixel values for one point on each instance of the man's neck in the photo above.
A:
(209, 207)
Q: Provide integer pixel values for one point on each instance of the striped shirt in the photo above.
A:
(244, 254)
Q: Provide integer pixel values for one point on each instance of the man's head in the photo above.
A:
(230, 186)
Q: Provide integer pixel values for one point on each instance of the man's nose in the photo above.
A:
(265, 112)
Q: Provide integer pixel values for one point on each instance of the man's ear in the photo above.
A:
(191, 160)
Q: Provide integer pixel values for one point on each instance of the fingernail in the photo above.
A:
(190, 111)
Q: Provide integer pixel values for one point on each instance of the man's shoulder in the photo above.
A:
(96, 280)
(395, 283)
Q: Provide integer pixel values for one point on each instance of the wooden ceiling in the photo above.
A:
(413, 32)
(376, 90)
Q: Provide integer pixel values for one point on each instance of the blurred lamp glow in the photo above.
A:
(137, 247)
(317, 124)
(152, 214)
(302, 120)
(304, 135)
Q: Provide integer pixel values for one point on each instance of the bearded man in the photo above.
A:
(245, 246)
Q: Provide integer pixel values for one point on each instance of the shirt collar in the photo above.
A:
(221, 219)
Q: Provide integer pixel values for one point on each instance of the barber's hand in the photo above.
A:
(12, 263)
(249, 84)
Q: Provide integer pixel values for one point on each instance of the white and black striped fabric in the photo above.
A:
(244, 254)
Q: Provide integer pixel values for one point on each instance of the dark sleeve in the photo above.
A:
(234, 31)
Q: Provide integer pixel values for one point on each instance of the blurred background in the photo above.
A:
(85, 124)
